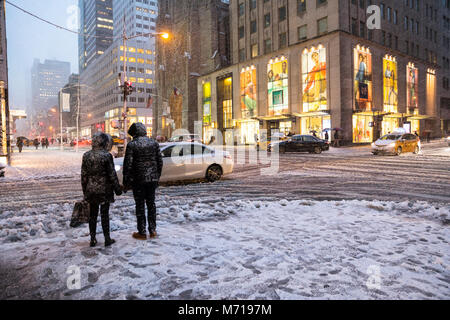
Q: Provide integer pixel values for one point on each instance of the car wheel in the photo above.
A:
(416, 150)
(317, 150)
(214, 173)
(399, 151)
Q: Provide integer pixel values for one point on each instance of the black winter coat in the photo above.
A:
(143, 160)
(98, 175)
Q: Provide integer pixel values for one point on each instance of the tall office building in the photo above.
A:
(301, 66)
(96, 21)
(47, 79)
(199, 44)
(4, 103)
(101, 98)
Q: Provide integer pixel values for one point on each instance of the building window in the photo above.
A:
(281, 14)
(255, 50)
(253, 27)
(302, 32)
(282, 40)
(320, 2)
(354, 27)
(242, 54)
(241, 9)
(267, 20)
(252, 4)
(322, 26)
(241, 32)
(301, 6)
(267, 46)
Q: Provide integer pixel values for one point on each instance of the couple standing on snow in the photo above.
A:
(141, 173)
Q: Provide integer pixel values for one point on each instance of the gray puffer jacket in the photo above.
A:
(98, 175)
(143, 160)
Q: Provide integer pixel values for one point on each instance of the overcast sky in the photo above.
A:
(29, 38)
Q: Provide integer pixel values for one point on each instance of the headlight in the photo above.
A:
(373, 145)
(117, 167)
(391, 145)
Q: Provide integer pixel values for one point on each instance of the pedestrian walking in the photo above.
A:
(36, 143)
(141, 173)
(46, 143)
(327, 137)
(19, 144)
(99, 181)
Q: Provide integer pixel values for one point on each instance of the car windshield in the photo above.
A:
(390, 137)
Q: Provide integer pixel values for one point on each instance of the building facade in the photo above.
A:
(5, 146)
(101, 98)
(198, 44)
(96, 21)
(303, 66)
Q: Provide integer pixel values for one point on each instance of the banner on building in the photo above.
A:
(314, 69)
(64, 102)
(278, 86)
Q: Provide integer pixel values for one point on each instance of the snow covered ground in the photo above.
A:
(239, 250)
(290, 236)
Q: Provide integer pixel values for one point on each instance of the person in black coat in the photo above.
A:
(20, 144)
(99, 181)
(142, 170)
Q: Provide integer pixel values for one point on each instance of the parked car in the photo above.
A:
(189, 161)
(301, 143)
(186, 138)
(397, 143)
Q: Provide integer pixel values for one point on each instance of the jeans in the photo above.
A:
(145, 194)
(104, 212)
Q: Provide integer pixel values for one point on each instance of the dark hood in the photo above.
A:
(101, 141)
(137, 130)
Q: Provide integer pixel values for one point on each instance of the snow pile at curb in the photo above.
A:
(31, 223)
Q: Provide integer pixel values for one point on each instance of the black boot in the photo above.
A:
(105, 225)
(93, 242)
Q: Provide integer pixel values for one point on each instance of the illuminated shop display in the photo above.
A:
(278, 83)
(362, 129)
(314, 68)
(363, 79)
(390, 88)
(248, 92)
(207, 103)
(412, 87)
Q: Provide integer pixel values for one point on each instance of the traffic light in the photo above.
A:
(128, 88)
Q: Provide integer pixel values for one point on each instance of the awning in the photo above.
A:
(371, 113)
(396, 115)
(420, 117)
(280, 117)
(312, 114)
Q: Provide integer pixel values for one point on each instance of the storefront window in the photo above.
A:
(390, 89)
(248, 93)
(315, 124)
(207, 103)
(225, 100)
(278, 83)
(314, 67)
(390, 124)
(412, 85)
(362, 129)
(363, 79)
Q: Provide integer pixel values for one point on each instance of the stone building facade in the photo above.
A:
(5, 146)
(303, 66)
(198, 45)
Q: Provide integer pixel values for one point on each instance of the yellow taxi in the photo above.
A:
(397, 143)
(263, 143)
